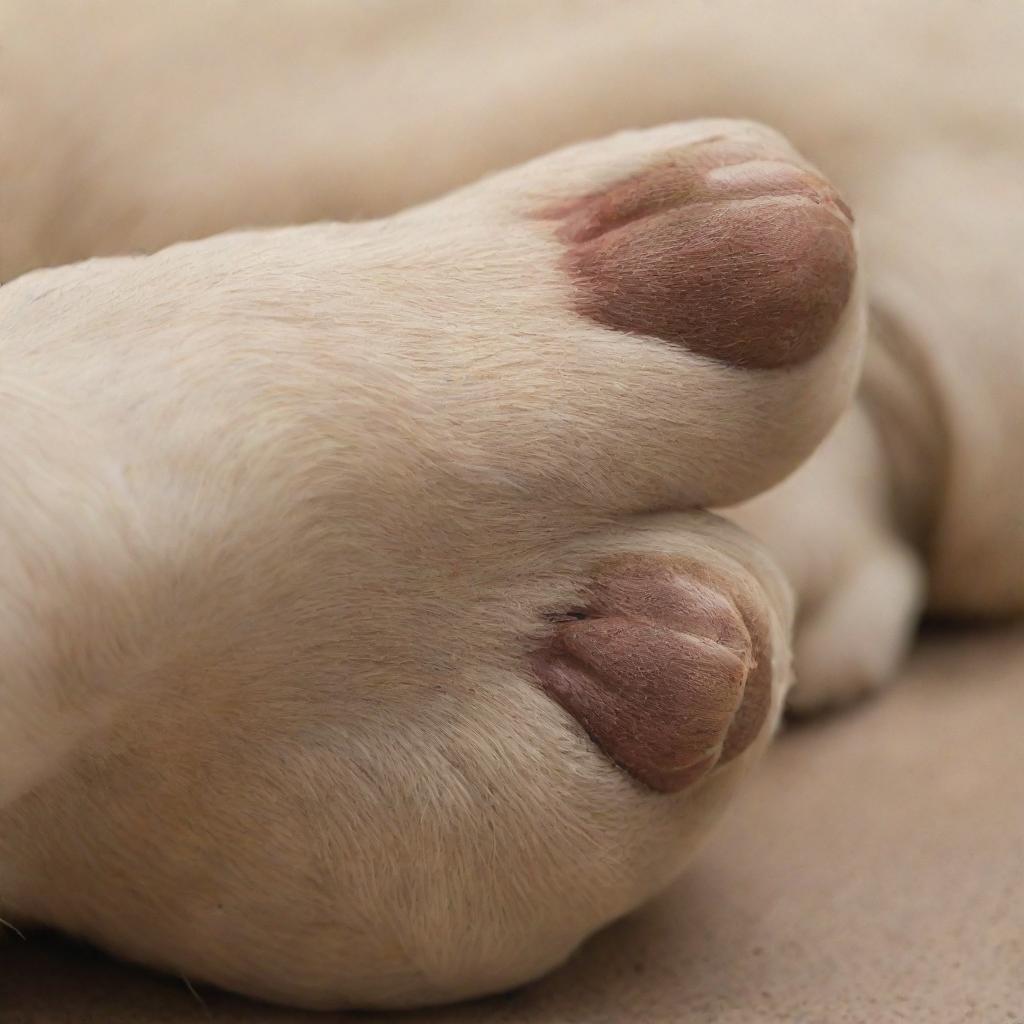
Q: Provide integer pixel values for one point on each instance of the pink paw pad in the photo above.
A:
(662, 670)
(731, 249)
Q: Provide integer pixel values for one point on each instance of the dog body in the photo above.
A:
(313, 529)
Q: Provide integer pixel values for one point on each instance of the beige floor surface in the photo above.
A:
(873, 873)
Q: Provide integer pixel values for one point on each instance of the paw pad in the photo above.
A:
(662, 670)
(731, 249)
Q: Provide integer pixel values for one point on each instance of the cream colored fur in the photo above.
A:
(188, 119)
(151, 466)
(286, 512)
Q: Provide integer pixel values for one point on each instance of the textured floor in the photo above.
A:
(873, 873)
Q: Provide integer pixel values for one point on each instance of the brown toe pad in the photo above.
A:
(662, 670)
(730, 249)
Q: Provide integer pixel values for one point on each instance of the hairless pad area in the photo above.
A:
(726, 248)
(664, 672)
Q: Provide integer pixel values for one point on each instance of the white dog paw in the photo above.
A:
(370, 461)
(854, 639)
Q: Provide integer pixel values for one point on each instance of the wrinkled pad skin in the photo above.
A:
(665, 673)
(733, 250)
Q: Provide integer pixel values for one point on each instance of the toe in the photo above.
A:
(660, 319)
(703, 278)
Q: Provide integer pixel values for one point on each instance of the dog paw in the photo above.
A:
(420, 438)
(853, 641)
